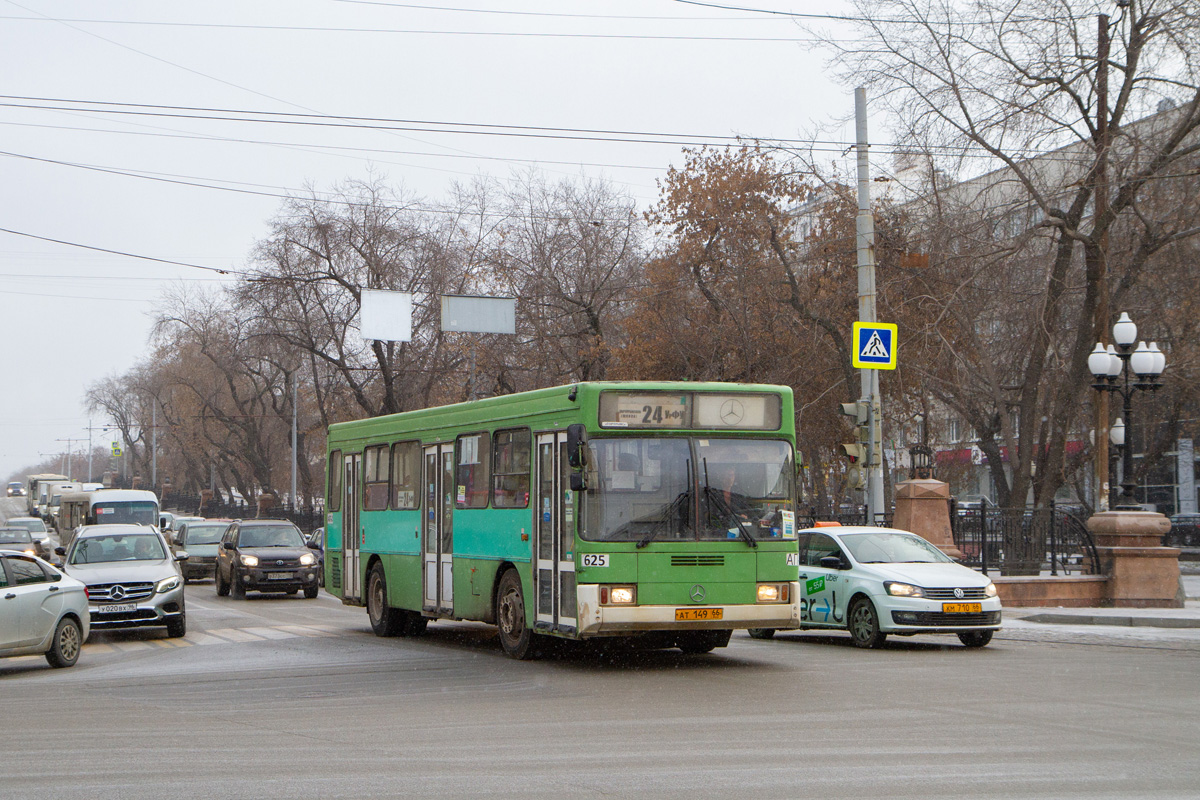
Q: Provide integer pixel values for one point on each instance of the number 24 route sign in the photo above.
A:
(874, 345)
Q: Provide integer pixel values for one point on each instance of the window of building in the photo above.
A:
(510, 468)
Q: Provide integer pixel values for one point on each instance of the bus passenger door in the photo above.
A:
(554, 510)
(438, 548)
(351, 530)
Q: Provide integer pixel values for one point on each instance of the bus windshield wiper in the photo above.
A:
(682, 500)
(716, 498)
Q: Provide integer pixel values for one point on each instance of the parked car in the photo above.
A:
(36, 527)
(200, 538)
(266, 556)
(16, 489)
(1185, 531)
(42, 611)
(19, 540)
(316, 541)
(132, 578)
(874, 582)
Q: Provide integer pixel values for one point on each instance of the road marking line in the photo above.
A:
(235, 635)
(271, 633)
(99, 648)
(130, 646)
(304, 630)
(204, 638)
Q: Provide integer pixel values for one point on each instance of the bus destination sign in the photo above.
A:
(622, 410)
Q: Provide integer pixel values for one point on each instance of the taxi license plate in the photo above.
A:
(962, 608)
(279, 576)
(120, 608)
(689, 614)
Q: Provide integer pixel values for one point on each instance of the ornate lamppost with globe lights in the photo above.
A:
(1111, 367)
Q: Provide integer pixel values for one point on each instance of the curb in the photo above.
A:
(1127, 622)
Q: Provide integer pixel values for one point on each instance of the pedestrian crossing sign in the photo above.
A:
(874, 345)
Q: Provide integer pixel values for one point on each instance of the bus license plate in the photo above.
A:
(691, 614)
(962, 608)
(279, 576)
(121, 608)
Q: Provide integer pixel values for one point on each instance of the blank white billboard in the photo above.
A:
(386, 315)
(467, 314)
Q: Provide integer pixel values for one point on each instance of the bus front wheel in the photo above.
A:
(515, 636)
(385, 620)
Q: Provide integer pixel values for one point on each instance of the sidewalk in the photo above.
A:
(1186, 617)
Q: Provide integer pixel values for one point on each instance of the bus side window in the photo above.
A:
(510, 468)
(333, 497)
(376, 485)
(472, 482)
(406, 475)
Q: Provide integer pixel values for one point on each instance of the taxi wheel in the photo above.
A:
(864, 624)
(68, 639)
(975, 638)
(761, 633)
(515, 636)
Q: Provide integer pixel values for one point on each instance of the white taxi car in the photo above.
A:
(878, 581)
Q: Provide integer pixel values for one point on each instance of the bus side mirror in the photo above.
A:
(576, 442)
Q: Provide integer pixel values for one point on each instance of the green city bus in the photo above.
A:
(658, 510)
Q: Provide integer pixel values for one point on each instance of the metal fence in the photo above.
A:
(1023, 541)
(843, 516)
(306, 519)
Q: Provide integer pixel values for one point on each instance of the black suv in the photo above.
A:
(267, 556)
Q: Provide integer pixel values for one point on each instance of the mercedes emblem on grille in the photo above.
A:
(958, 593)
(117, 592)
(697, 594)
(279, 563)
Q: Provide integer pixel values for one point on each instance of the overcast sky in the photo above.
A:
(76, 172)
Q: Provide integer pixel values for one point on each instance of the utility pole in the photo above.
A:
(295, 456)
(154, 446)
(1100, 323)
(67, 458)
(869, 378)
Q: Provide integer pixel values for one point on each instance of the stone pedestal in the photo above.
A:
(923, 507)
(1141, 572)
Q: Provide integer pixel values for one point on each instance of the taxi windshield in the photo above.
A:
(892, 548)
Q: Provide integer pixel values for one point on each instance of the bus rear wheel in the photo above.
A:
(515, 636)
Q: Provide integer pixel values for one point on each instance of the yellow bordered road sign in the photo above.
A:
(874, 345)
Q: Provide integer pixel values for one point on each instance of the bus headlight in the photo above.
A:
(249, 561)
(618, 595)
(772, 593)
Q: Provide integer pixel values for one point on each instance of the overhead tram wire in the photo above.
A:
(355, 122)
(218, 270)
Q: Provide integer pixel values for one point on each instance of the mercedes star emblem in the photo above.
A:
(958, 593)
(732, 412)
(117, 592)
(697, 593)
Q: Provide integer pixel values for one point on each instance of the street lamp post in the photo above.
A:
(1111, 367)
(1116, 437)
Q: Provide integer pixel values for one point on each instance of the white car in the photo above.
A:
(878, 581)
(41, 610)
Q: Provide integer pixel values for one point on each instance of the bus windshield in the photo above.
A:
(137, 512)
(685, 489)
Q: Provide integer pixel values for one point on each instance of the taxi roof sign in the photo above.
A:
(874, 345)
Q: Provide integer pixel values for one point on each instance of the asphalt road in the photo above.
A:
(287, 697)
